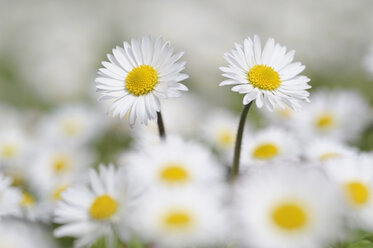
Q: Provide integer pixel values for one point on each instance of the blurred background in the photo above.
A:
(50, 50)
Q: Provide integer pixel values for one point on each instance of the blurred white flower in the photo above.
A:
(174, 164)
(10, 198)
(33, 209)
(17, 234)
(354, 177)
(95, 211)
(182, 218)
(138, 76)
(72, 125)
(322, 150)
(341, 115)
(282, 117)
(281, 206)
(269, 76)
(268, 145)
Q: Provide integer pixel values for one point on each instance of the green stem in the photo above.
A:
(237, 148)
(161, 129)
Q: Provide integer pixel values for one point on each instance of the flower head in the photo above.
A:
(138, 76)
(269, 76)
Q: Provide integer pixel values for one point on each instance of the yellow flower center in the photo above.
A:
(264, 77)
(61, 164)
(103, 207)
(226, 137)
(9, 150)
(329, 155)
(72, 127)
(290, 217)
(357, 192)
(141, 80)
(27, 200)
(178, 220)
(266, 151)
(285, 113)
(174, 173)
(57, 193)
(325, 121)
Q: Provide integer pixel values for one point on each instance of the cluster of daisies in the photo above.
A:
(301, 181)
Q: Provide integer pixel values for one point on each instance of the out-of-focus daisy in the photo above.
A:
(10, 198)
(280, 116)
(138, 76)
(219, 130)
(281, 206)
(182, 218)
(176, 163)
(95, 211)
(18, 234)
(368, 61)
(269, 145)
(354, 176)
(13, 145)
(322, 150)
(269, 76)
(341, 115)
(33, 208)
(75, 125)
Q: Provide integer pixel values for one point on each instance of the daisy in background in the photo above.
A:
(269, 76)
(268, 145)
(188, 217)
(74, 125)
(341, 115)
(175, 164)
(219, 129)
(138, 75)
(281, 206)
(282, 117)
(97, 210)
(354, 177)
(322, 150)
(368, 61)
(10, 198)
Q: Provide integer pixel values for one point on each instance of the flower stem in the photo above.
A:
(237, 148)
(161, 129)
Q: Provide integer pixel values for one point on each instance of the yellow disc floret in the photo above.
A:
(27, 200)
(266, 151)
(174, 173)
(141, 80)
(58, 191)
(290, 217)
(357, 192)
(103, 207)
(61, 163)
(226, 138)
(329, 155)
(325, 121)
(9, 150)
(177, 220)
(264, 77)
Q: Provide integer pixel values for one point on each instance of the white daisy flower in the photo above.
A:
(322, 150)
(74, 124)
(175, 163)
(89, 212)
(138, 76)
(341, 115)
(267, 76)
(10, 198)
(280, 116)
(33, 209)
(269, 145)
(354, 177)
(281, 206)
(182, 218)
(219, 130)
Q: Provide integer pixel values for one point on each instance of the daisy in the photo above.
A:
(182, 218)
(10, 198)
(176, 163)
(354, 177)
(89, 212)
(281, 206)
(138, 76)
(269, 76)
(282, 117)
(341, 115)
(322, 150)
(269, 145)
